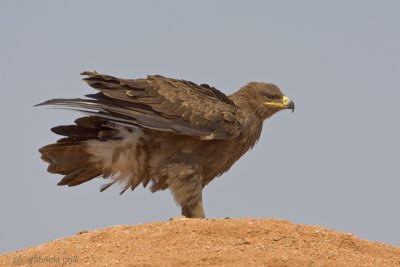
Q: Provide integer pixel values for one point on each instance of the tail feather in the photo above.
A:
(59, 152)
(79, 176)
(69, 157)
(94, 147)
(71, 160)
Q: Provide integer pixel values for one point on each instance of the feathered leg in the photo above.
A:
(184, 181)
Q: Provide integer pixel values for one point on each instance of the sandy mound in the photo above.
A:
(194, 242)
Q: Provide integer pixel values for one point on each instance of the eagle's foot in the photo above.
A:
(179, 218)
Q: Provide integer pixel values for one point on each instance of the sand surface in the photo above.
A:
(216, 242)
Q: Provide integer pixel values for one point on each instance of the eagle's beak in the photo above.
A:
(289, 103)
(285, 104)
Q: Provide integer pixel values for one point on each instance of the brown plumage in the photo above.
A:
(173, 133)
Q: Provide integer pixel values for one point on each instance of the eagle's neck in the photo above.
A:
(243, 100)
(252, 127)
(251, 115)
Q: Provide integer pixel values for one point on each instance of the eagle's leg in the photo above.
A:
(187, 192)
(193, 212)
(185, 184)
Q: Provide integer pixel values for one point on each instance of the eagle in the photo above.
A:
(171, 133)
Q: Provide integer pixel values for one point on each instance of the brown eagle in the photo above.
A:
(173, 133)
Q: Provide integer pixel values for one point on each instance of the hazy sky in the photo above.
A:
(333, 162)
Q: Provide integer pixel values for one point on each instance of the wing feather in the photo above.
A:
(159, 103)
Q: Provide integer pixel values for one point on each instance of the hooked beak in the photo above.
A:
(285, 104)
(289, 103)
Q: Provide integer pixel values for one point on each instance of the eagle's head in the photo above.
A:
(264, 99)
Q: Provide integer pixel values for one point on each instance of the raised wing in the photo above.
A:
(159, 103)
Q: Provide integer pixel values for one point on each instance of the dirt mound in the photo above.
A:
(195, 242)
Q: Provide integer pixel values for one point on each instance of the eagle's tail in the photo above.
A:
(71, 160)
(95, 147)
(69, 155)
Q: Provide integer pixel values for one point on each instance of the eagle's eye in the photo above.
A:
(272, 97)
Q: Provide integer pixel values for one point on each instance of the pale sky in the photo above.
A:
(333, 162)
